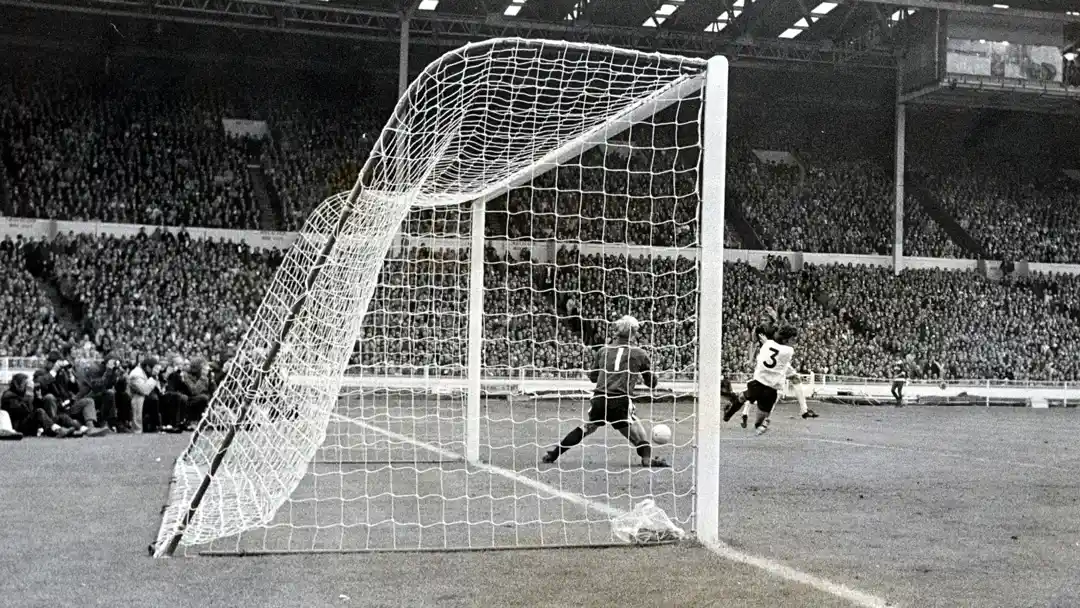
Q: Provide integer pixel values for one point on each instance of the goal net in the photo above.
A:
(428, 337)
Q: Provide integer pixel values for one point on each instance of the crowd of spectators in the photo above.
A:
(95, 397)
(1015, 217)
(140, 327)
(129, 154)
(838, 207)
(136, 147)
(28, 320)
(977, 328)
(923, 237)
(317, 151)
(168, 293)
(149, 293)
(855, 320)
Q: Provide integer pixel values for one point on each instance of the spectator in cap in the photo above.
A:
(175, 397)
(102, 377)
(142, 385)
(198, 379)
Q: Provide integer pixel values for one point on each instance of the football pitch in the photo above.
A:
(919, 506)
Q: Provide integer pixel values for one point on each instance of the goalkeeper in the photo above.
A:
(615, 373)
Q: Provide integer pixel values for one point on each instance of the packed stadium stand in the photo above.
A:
(144, 150)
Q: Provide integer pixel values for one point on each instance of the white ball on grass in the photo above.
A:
(661, 434)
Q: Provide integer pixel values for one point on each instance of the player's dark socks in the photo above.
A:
(572, 438)
(645, 452)
(743, 423)
(735, 405)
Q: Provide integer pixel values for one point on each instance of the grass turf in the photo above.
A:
(923, 506)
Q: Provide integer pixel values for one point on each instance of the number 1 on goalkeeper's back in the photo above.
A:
(615, 374)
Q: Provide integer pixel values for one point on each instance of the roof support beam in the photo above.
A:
(978, 8)
(833, 24)
(748, 20)
(433, 29)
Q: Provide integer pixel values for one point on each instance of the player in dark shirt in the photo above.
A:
(615, 373)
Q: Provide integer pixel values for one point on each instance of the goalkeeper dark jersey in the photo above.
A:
(616, 368)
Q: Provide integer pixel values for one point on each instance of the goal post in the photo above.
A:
(428, 335)
(710, 308)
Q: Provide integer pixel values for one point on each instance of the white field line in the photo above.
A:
(856, 597)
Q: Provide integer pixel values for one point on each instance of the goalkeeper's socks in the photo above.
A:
(572, 438)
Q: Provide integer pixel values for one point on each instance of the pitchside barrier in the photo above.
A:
(852, 390)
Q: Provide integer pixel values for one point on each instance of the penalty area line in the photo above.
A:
(722, 550)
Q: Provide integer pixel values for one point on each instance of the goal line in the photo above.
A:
(508, 474)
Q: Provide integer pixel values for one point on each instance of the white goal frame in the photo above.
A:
(712, 83)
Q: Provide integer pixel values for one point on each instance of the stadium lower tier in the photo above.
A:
(161, 295)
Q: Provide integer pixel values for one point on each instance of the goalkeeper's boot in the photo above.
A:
(809, 414)
(551, 456)
(762, 428)
(656, 463)
(743, 423)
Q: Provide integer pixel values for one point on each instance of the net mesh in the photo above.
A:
(352, 437)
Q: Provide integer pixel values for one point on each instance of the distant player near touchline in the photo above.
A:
(615, 373)
(898, 381)
(771, 371)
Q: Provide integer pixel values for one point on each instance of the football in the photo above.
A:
(661, 434)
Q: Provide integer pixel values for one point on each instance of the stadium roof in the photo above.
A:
(859, 34)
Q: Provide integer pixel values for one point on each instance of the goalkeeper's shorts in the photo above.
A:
(618, 411)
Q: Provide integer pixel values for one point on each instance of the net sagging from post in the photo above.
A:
(326, 460)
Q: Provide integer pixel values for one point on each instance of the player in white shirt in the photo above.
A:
(764, 333)
(772, 370)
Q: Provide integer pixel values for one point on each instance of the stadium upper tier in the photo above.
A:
(149, 149)
(156, 294)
